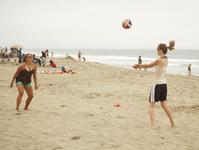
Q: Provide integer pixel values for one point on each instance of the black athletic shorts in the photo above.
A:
(158, 93)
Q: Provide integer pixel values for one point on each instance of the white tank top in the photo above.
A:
(160, 74)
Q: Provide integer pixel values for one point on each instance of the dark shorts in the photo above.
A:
(158, 93)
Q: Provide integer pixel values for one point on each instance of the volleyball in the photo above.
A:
(126, 24)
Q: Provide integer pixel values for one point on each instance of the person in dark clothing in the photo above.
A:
(46, 52)
(43, 58)
(189, 69)
(140, 61)
(22, 58)
(36, 60)
(23, 77)
(19, 54)
(79, 55)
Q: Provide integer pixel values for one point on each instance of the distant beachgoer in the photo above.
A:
(6, 49)
(84, 59)
(46, 52)
(140, 61)
(79, 55)
(23, 81)
(36, 60)
(66, 56)
(19, 54)
(52, 64)
(43, 54)
(66, 69)
(43, 58)
(52, 54)
(22, 58)
(159, 88)
(189, 69)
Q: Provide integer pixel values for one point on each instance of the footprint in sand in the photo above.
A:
(187, 109)
(120, 117)
(75, 138)
(114, 146)
(52, 84)
(45, 133)
(57, 148)
(91, 114)
(63, 105)
(18, 113)
(162, 137)
(110, 146)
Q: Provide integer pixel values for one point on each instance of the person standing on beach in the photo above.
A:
(159, 88)
(43, 58)
(23, 81)
(46, 52)
(79, 55)
(19, 54)
(189, 69)
(52, 54)
(84, 59)
(36, 60)
(140, 61)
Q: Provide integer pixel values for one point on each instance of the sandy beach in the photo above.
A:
(77, 111)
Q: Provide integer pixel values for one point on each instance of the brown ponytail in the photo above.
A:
(171, 45)
(164, 47)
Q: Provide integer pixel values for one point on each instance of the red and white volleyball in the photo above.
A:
(126, 24)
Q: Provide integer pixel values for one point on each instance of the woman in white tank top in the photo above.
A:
(159, 87)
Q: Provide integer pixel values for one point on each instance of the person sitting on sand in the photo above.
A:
(52, 64)
(159, 88)
(23, 80)
(66, 69)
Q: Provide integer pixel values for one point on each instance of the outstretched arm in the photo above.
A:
(150, 65)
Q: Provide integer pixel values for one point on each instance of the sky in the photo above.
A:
(97, 24)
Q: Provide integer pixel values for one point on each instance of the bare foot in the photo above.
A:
(26, 109)
(173, 125)
(17, 112)
(152, 126)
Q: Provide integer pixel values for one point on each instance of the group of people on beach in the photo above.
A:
(158, 93)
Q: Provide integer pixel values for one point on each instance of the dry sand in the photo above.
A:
(76, 111)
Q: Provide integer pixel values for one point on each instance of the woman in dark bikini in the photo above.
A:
(23, 80)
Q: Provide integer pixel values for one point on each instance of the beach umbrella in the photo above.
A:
(16, 46)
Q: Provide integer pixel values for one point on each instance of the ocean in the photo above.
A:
(178, 59)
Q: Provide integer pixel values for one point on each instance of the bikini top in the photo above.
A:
(25, 75)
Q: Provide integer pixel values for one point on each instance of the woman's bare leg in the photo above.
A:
(168, 112)
(20, 89)
(29, 92)
(152, 113)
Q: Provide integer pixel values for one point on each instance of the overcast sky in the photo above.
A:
(97, 23)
